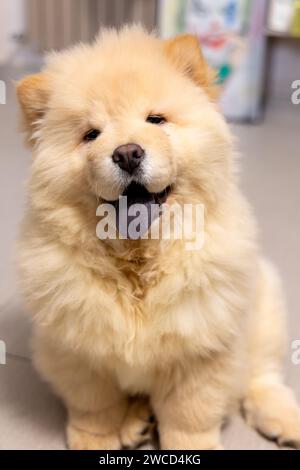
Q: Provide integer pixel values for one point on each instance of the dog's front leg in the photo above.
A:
(95, 404)
(97, 429)
(190, 404)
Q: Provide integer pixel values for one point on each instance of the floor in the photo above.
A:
(30, 416)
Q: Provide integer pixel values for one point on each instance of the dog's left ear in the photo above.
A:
(185, 53)
(33, 94)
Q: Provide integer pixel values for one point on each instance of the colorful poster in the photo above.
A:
(231, 34)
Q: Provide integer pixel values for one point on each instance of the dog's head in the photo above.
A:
(128, 114)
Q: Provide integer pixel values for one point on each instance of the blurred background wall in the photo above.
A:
(59, 23)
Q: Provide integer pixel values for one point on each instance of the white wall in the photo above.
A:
(12, 21)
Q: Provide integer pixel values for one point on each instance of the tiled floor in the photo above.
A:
(30, 416)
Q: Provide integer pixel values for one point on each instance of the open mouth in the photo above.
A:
(137, 209)
(138, 194)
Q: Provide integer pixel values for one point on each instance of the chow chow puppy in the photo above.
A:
(125, 328)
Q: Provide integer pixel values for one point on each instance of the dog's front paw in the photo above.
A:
(138, 426)
(273, 411)
(82, 440)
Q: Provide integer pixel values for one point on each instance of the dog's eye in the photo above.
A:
(92, 134)
(156, 119)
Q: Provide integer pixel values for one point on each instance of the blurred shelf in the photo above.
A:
(275, 34)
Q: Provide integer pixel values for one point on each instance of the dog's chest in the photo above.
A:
(149, 319)
(170, 320)
(150, 340)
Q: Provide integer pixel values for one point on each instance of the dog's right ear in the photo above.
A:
(33, 94)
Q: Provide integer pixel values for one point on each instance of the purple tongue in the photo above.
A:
(136, 210)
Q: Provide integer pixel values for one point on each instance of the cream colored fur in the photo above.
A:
(199, 333)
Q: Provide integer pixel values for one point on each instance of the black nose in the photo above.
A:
(128, 157)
